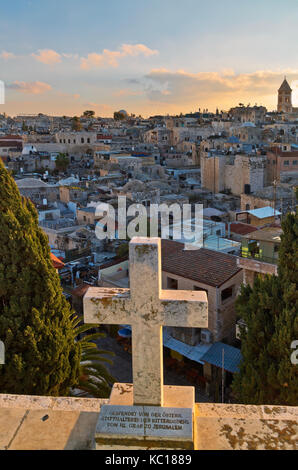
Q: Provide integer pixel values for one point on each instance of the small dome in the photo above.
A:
(122, 111)
(248, 124)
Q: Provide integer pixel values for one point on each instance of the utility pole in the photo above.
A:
(274, 197)
(223, 377)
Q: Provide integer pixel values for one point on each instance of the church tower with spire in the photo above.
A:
(284, 98)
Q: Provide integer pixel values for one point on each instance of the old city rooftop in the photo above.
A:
(207, 266)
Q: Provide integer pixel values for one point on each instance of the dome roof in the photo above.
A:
(248, 124)
(122, 111)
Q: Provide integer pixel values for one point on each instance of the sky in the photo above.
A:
(62, 57)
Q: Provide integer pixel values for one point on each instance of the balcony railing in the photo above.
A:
(258, 257)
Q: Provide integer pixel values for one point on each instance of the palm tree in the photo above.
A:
(94, 379)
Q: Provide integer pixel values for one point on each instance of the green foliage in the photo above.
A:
(62, 162)
(122, 250)
(41, 357)
(269, 310)
(119, 116)
(76, 124)
(94, 379)
(88, 114)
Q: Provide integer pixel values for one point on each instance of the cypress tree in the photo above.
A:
(269, 310)
(41, 356)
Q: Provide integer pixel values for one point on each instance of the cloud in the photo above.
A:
(126, 92)
(47, 56)
(111, 58)
(34, 88)
(70, 56)
(7, 55)
(100, 107)
(205, 88)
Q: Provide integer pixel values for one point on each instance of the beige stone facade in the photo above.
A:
(232, 172)
(221, 313)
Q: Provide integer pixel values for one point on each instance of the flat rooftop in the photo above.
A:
(268, 234)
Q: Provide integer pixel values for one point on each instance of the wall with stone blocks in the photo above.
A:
(47, 423)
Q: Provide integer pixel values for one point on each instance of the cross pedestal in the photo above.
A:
(147, 308)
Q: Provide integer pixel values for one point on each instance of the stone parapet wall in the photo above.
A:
(41, 423)
(246, 427)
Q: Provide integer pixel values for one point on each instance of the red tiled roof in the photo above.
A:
(11, 137)
(80, 290)
(206, 266)
(11, 143)
(241, 228)
(113, 262)
(104, 137)
(57, 263)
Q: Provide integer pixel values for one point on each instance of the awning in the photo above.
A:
(232, 357)
(194, 353)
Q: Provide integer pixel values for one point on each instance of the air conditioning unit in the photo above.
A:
(240, 323)
(206, 336)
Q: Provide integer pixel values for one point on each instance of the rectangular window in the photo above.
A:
(172, 283)
(227, 293)
(286, 163)
(295, 162)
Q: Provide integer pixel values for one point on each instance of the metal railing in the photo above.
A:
(258, 257)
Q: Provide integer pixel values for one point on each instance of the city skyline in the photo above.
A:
(146, 57)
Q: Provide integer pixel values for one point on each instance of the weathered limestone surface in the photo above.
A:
(246, 427)
(147, 308)
(72, 421)
(47, 423)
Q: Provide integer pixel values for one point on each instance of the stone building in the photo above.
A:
(281, 160)
(282, 197)
(38, 191)
(284, 104)
(235, 173)
(73, 194)
(213, 272)
(248, 132)
(76, 138)
(255, 114)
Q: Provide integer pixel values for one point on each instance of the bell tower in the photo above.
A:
(284, 98)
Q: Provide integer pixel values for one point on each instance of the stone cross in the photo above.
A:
(146, 307)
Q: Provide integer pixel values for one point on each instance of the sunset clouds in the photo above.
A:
(47, 56)
(111, 58)
(7, 55)
(148, 57)
(181, 87)
(34, 88)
